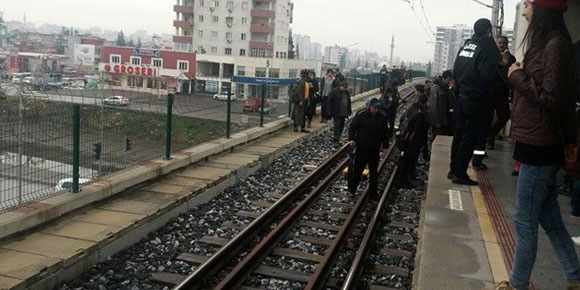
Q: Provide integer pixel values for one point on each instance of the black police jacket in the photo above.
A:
(369, 132)
(475, 69)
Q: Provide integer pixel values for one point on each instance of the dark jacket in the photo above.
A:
(338, 80)
(368, 131)
(335, 103)
(475, 68)
(440, 102)
(386, 103)
(314, 87)
(414, 128)
(577, 55)
(543, 109)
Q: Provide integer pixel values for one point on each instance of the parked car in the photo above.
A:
(252, 104)
(116, 101)
(66, 184)
(223, 97)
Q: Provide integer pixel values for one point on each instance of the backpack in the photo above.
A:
(294, 98)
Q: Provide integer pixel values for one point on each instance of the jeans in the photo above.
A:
(338, 127)
(537, 204)
(575, 198)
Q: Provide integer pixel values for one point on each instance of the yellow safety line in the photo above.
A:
(499, 269)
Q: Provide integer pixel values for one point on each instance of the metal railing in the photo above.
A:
(54, 140)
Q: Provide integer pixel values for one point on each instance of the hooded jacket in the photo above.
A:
(368, 131)
(543, 109)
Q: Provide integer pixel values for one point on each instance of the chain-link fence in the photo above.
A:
(49, 132)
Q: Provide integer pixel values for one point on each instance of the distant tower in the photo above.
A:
(24, 18)
(392, 50)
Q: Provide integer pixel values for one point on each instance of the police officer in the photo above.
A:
(475, 71)
(366, 133)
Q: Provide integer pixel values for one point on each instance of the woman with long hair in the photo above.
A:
(543, 124)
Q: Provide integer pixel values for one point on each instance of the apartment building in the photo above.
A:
(450, 39)
(255, 28)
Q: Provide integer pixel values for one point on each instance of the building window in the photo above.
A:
(257, 52)
(200, 18)
(261, 72)
(183, 65)
(135, 60)
(228, 51)
(277, 54)
(243, 36)
(274, 72)
(200, 33)
(216, 19)
(115, 58)
(214, 34)
(230, 5)
(242, 52)
(230, 20)
(216, 4)
(244, 20)
(245, 5)
(201, 3)
(228, 35)
(293, 73)
(241, 70)
(200, 49)
(157, 62)
(214, 49)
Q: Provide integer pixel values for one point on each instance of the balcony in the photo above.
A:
(182, 39)
(261, 13)
(262, 45)
(183, 24)
(183, 9)
(261, 28)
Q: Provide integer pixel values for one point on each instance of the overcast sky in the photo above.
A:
(370, 23)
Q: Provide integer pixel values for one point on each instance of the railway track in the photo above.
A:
(316, 212)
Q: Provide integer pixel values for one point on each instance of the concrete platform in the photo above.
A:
(459, 247)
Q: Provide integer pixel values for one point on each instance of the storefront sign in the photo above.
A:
(131, 70)
(264, 81)
(145, 52)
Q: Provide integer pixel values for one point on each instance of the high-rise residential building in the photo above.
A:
(333, 54)
(256, 28)
(450, 39)
(306, 49)
(3, 31)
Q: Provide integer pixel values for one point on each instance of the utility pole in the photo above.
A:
(495, 18)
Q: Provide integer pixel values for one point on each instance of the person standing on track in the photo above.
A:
(366, 136)
(543, 125)
(440, 105)
(384, 73)
(339, 105)
(325, 90)
(575, 188)
(412, 140)
(299, 99)
(394, 99)
(313, 100)
(475, 71)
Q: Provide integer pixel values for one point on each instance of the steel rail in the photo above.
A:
(237, 276)
(219, 259)
(318, 279)
(363, 250)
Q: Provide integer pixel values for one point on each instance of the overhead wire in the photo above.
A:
(426, 18)
(430, 35)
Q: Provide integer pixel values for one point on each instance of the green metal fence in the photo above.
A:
(52, 139)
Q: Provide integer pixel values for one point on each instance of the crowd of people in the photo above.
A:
(487, 87)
